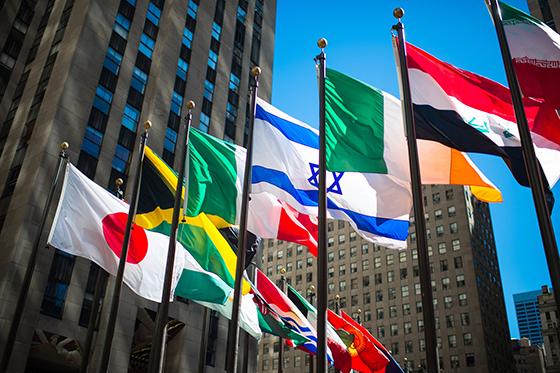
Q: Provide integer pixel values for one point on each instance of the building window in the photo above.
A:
(458, 261)
(460, 281)
(342, 270)
(365, 249)
(402, 257)
(392, 311)
(439, 230)
(377, 262)
(453, 228)
(341, 254)
(365, 281)
(451, 212)
(462, 299)
(365, 265)
(465, 319)
(449, 194)
(404, 291)
(58, 282)
(438, 214)
(394, 331)
(445, 282)
(467, 339)
(456, 244)
(390, 259)
(435, 198)
(469, 358)
(454, 361)
(390, 276)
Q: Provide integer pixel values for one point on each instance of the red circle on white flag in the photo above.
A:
(114, 226)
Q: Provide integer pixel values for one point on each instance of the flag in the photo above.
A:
(285, 164)
(366, 357)
(248, 313)
(286, 310)
(90, 223)
(393, 366)
(535, 50)
(271, 323)
(341, 356)
(365, 133)
(273, 218)
(215, 188)
(470, 113)
(198, 234)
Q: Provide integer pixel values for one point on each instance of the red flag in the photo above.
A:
(366, 357)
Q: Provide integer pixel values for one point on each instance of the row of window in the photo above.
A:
(133, 107)
(8, 121)
(99, 114)
(14, 42)
(174, 119)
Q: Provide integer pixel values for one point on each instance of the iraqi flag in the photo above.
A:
(90, 223)
(535, 50)
(471, 113)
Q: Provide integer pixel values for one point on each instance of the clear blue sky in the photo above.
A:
(459, 32)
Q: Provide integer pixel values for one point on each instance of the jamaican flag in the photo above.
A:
(198, 234)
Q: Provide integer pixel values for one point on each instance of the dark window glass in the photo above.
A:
(190, 23)
(135, 98)
(174, 121)
(168, 157)
(180, 85)
(185, 53)
(211, 75)
(150, 29)
(117, 42)
(87, 164)
(126, 9)
(143, 63)
(108, 80)
(97, 119)
(57, 285)
(206, 106)
(127, 138)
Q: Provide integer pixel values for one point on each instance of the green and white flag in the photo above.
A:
(535, 51)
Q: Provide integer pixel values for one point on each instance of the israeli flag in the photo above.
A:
(285, 164)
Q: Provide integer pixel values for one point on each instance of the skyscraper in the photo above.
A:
(383, 284)
(528, 316)
(547, 11)
(90, 72)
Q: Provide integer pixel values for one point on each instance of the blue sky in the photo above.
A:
(459, 32)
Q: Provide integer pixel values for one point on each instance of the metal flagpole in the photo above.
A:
(107, 343)
(281, 347)
(20, 305)
(100, 288)
(233, 333)
(321, 357)
(529, 158)
(157, 352)
(421, 239)
(311, 293)
(203, 342)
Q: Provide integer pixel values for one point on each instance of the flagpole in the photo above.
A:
(100, 288)
(281, 348)
(233, 333)
(321, 357)
(529, 158)
(20, 305)
(416, 181)
(311, 293)
(107, 343)
(203, 342)
(157, 351)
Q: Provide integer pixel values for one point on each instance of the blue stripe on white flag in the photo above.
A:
(292, 131)
(391, 228)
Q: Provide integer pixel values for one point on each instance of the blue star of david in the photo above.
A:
(314, 179)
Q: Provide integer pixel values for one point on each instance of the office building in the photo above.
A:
(547, 11)
(90, 72)
(550, 330)
(528, 358)
(471, 322)
(528, 316)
